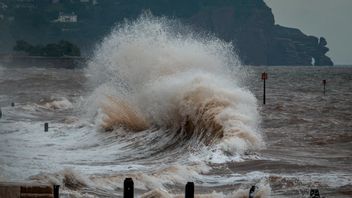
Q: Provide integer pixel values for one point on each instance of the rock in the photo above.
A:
(322, 42)
(251, 27)
(323, 60)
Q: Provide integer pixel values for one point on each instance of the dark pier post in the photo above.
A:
(128, 188)
(12, 104)
(324, 84)
(189, 190)
(314, 193)
(46, 127)
(56, 191)
(264, 78)
(251, 192)
(0, 113)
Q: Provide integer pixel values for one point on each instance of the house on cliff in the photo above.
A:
(67, 18)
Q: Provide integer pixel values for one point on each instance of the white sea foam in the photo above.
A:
(59, 103)
(160, 77)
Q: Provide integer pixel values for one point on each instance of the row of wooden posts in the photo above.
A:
(46, 125)
(265, 77)
(128, 190)
(40, 190)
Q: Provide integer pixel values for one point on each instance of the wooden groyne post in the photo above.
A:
(324, 84)
(264, 78)
(189, 190)
(128, 188)
(46, 127)
(314, 193)
(56, 191)
(252, 192)
(27, 190)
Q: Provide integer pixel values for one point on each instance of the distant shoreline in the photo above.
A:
(73, 62)
(25, 61)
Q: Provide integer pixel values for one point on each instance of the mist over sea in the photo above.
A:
(164, 106)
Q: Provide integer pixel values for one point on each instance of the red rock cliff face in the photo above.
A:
(250, 25)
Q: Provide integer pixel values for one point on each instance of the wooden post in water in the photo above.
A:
(12, 104)
(46, 127)
(264, 78)
(252, 192)
(314, 193)
(128, 188)
(189, 190)
(56, 191)
(324, 83)
(0, 113)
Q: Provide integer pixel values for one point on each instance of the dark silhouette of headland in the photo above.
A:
(248, 24)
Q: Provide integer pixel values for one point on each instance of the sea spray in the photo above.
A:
(156, 76)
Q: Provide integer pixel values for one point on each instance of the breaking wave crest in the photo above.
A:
(121, 113)
(154, 74)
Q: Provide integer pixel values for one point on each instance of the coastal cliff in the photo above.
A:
(249, 24)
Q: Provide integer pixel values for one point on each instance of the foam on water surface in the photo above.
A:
(165, 106)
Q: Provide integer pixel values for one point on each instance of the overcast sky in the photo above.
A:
(331, 19)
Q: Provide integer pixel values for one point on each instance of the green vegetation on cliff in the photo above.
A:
(63, 48)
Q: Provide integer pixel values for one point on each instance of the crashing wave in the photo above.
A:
(157, 76)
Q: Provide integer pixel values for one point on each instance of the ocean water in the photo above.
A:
(165, 106)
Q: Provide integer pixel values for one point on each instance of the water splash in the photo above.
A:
(158, 76)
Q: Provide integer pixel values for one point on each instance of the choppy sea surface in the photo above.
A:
(308, 139)
(183, 110)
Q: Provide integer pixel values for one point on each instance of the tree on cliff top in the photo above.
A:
(63, 48)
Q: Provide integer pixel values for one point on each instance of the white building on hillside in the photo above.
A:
(93, 2)
(67, 18)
